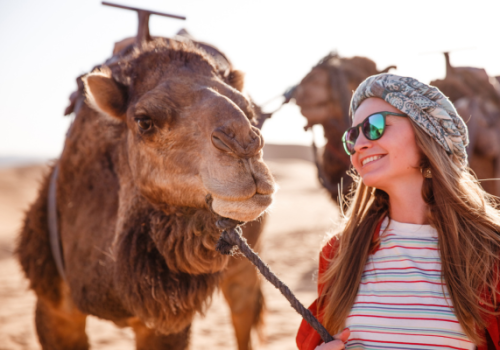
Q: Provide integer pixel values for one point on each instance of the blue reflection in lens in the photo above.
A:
(373, 127)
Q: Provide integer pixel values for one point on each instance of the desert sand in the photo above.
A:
(299, 222)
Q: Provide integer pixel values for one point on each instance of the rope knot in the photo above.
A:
(226, 245)
(231, 232)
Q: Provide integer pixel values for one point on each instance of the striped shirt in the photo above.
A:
(402, 302)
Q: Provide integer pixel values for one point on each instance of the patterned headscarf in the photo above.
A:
(424, 104)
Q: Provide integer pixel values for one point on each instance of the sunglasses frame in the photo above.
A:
(384, 115)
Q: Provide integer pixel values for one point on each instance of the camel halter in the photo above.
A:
(231, 238)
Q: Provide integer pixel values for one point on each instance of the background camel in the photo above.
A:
(477, 99)
(163, 127)
(323, 97)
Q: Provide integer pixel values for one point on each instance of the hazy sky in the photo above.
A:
(47, 44)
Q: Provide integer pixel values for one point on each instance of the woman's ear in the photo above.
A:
(105, 95)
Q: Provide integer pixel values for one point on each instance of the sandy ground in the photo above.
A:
(301, 215)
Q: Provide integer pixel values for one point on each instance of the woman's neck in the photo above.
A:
(406, 205)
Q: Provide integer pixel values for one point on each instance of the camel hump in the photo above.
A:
(221, 60)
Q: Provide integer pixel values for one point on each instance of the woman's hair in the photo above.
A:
(468, 227)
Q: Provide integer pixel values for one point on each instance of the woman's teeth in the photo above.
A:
(370, 159)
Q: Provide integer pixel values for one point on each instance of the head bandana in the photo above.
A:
(424, 104)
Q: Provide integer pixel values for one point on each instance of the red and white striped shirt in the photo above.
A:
(402, 302)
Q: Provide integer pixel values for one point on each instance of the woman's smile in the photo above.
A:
(370, 159)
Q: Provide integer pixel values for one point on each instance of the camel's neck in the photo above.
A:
(185, 237)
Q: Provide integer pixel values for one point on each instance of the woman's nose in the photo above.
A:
(362, 143)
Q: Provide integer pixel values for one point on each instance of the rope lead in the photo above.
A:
(231, 238)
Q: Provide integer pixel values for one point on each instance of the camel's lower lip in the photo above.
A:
(246, 210)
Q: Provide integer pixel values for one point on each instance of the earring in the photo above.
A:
(427, 173)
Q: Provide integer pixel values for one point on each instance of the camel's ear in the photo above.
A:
(105, 95)
(236, 79)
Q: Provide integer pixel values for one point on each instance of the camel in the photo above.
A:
(477, 99)
(323, 96)
(157, 128)
(240, 278)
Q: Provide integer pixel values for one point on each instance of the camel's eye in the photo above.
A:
(144, 123)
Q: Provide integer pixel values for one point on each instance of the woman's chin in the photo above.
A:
(372, 180)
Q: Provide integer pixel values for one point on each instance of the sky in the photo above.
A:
(47, 44)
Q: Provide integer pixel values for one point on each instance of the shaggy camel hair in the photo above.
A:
(477, 99)
(161, 128)
(323, 96)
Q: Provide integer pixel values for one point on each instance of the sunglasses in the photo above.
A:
(373, 128)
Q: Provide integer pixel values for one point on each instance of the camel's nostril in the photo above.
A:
(221, 145)
(243, 145)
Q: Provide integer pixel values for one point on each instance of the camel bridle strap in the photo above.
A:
(52, 220)
(231, 239)
(322, 178)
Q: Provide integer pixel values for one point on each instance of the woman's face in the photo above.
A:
(391, 161)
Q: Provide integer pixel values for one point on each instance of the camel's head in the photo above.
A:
(325, 92)
(316, 99)
(189, 130)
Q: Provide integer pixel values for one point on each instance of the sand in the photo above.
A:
(300, 218)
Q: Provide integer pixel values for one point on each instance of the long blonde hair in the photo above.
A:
(468, 227)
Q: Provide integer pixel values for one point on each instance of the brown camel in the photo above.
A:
(323, 97)
(241, 284)
(477, 99)
(162, 127)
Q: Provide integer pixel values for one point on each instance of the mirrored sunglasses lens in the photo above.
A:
(350, 140)
(373, 126)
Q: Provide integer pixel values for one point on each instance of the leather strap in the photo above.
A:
(55, 241)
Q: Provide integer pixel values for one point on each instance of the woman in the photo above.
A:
(415, 266)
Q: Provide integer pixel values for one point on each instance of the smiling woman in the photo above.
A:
(391, 163)
(412, 267)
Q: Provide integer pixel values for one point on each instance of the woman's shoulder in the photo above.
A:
(330, 247)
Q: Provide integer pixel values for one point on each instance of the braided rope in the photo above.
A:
(231, 238)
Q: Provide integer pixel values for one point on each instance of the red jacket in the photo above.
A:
(308, 339)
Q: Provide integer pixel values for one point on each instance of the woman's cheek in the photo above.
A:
(355, 163)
